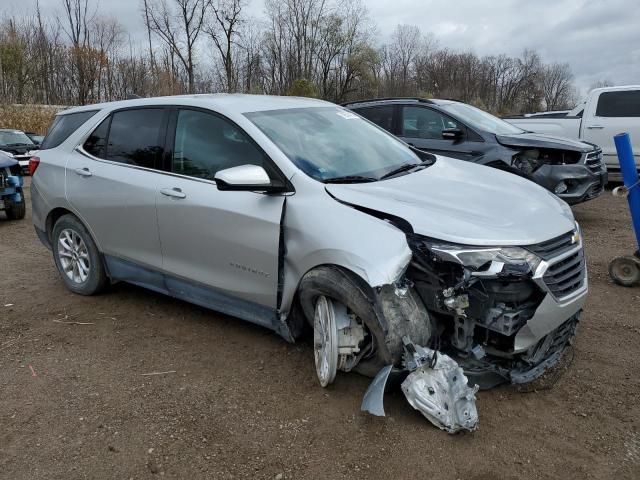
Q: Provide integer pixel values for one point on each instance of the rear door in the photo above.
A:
(223, 244)
(382, 115)
(111, 182)
(422, 128)
(609, 114)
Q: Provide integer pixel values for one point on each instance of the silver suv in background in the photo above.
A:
(290, 212)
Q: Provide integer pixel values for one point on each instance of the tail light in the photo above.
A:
(33, 165)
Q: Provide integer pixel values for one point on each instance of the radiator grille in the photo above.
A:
(594, 161)
(567, 275)
(554, 247)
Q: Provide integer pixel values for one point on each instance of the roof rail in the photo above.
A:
(417, 99)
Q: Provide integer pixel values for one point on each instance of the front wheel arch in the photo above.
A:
(387, 313)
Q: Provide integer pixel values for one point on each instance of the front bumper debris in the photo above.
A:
(435, 386)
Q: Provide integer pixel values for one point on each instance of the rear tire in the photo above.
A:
(77, 257)
(15, 211)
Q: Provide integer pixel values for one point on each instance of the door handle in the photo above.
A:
(597, 127)
(173, 192)
(83, 172)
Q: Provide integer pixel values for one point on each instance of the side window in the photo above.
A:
(63, 126)
(96, 143)
(206, 143)
(136, 137)
(422, 122)
(619, 104)
(381, 116)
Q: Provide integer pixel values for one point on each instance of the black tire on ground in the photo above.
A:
(15, 211)
(97, 278)
(385, 321)
(625, 271)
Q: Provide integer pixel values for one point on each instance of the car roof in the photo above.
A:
(222, 102)
(398, 100)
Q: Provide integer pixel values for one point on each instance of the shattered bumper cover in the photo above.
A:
(491, 370)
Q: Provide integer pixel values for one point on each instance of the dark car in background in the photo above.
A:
(35, 138)
(17, 145)
(11, 183)
(571, 169)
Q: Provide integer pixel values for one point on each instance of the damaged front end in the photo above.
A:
(574, 176)
(504, 314)
(500, 315)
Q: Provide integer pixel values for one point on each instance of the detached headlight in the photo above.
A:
(489, 259)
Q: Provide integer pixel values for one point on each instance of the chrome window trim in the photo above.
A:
(80, 145)
(82, 151)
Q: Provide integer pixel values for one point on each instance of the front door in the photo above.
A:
(220, 248)
(422, 127)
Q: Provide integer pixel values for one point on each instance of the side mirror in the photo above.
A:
(251, 178)
(451, 133)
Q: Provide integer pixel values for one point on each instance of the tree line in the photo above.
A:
(322, 48)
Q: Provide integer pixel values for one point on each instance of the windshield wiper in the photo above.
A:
(404, 168)
(350, 179)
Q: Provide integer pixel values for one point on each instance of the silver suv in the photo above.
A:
(290, 212)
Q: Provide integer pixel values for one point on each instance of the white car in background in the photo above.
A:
(606, 112)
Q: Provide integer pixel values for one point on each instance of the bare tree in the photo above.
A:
(405, 43)
(556, 84)
(178, 26)
(78, 16)
(326, 48)
(224, 31)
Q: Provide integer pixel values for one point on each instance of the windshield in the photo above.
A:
(14, 138)
(330, 143)
(480, 120)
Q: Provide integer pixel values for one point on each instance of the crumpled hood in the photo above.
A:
(538, 140)
(465, 203)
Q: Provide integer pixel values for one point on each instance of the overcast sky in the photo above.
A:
(600, 39)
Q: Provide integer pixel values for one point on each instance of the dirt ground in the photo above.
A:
(241, 403)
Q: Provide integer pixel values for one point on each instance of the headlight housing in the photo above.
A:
(488, 259)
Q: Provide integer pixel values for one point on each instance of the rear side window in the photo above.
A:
(619, 104)
(381, 116)
(63, 126)
(96, 144)
(135, 137)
